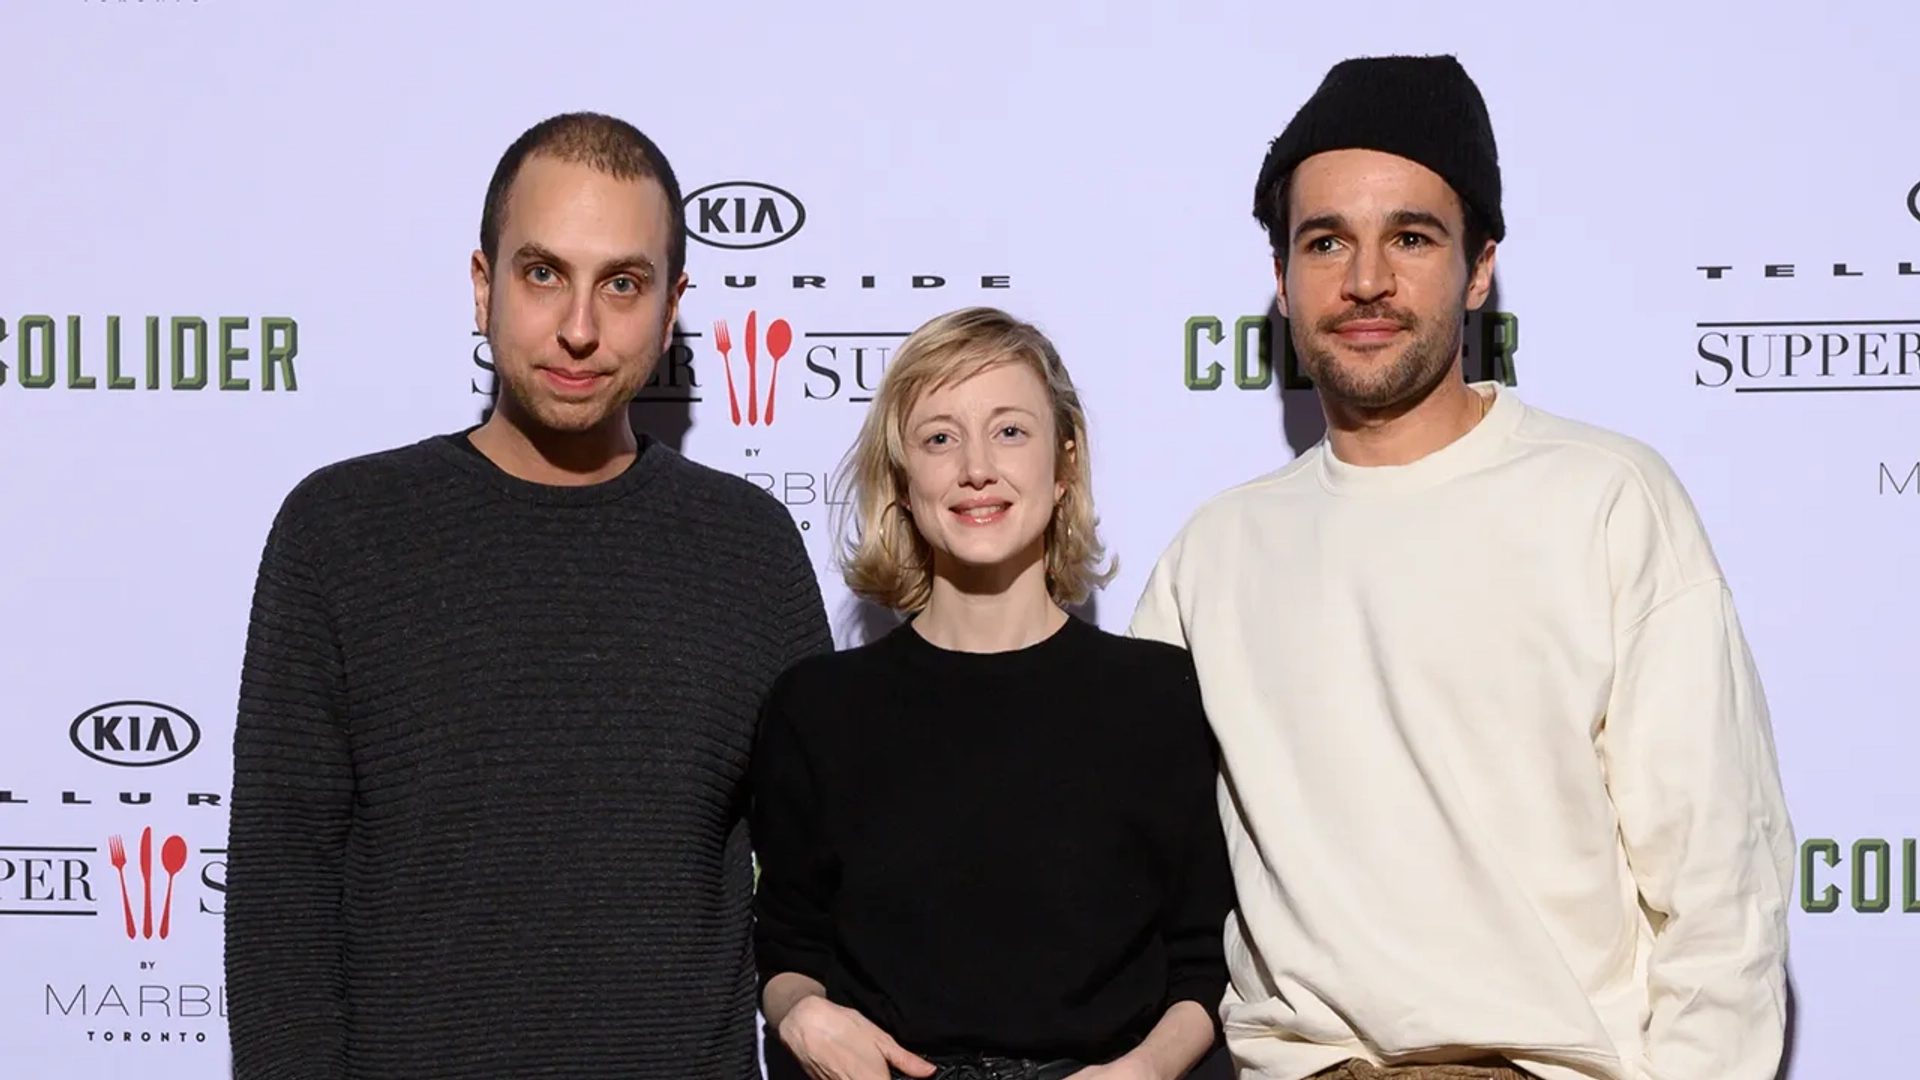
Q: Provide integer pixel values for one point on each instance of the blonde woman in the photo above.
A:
(988, 842)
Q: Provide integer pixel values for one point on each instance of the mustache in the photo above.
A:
(1332, 324)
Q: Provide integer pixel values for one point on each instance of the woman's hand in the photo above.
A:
(832, 1042)
(1123, 1069)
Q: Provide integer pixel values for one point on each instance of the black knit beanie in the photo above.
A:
(1422, 108)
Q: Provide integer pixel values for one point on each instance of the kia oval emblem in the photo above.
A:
(743, 214)
(134, 734)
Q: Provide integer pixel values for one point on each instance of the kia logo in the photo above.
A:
(137, 734)
(1913, 202)
(743, 214)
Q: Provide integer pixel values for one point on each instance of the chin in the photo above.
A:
(1374, 382)
(572, 418)
(566, 416)
(981, 553)
(980, 556)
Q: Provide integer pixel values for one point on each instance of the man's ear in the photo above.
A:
(673, 312)
(1480, 282)
(482, 290)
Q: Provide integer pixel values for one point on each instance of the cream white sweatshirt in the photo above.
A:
(1499, 773)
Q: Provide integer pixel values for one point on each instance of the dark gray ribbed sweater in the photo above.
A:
(488, 797)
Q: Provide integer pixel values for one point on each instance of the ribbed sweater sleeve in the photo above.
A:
(291, 807)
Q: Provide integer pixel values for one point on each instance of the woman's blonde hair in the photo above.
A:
(885, 559)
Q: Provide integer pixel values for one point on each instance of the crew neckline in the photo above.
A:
(939, 658)
(1469, 451)
(651, 461)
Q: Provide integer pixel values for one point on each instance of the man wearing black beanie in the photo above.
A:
(1499, 777)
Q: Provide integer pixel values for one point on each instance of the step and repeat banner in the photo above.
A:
(234, 247)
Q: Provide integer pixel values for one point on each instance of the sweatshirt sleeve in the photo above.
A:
(293, 792)
(1690, 762)
(793, 928)
(1157, 616)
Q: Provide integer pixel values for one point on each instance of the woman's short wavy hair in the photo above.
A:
(883, 556)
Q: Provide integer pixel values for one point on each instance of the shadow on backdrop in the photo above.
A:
(663, 408)
(1090, 611)
(1302, 423)
(1793, 1024)
(869, 621)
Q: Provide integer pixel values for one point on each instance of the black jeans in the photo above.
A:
(985, 1067)
(1217, 1065)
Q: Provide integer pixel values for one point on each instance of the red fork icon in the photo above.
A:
(723, 341)
(117, 850)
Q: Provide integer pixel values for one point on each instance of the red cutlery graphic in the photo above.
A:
(724, 342)
(173, 858)
(146, 871)
(779, 338)
(753, 380)
(118, 849)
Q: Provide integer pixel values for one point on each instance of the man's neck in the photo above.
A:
(984, 616)
(559, 458)
(1367, 439)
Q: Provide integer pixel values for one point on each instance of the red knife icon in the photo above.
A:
(146, 876)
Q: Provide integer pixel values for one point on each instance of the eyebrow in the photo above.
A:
(1318, 223)
(949, 418)
(1399, 219)
(532, 252)
(1404, 219)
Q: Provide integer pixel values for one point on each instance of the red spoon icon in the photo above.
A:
(779, 338)
(173, 859)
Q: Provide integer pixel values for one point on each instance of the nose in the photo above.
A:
(1369, 275)
(979, 470)
(579, 331)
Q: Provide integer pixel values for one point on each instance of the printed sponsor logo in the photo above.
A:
(835, 365)
(1846, 353)
(142, 884)
(1860, 877)
(135, 734)
(806, 491)
(1802, 356)
(178, 353)
(146, 887)
(14, 797)
(779, 338)
(743, 215)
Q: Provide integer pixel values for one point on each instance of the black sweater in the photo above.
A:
(1013, 853)
(489, 797)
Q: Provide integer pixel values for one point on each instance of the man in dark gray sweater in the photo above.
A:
(500, 691)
